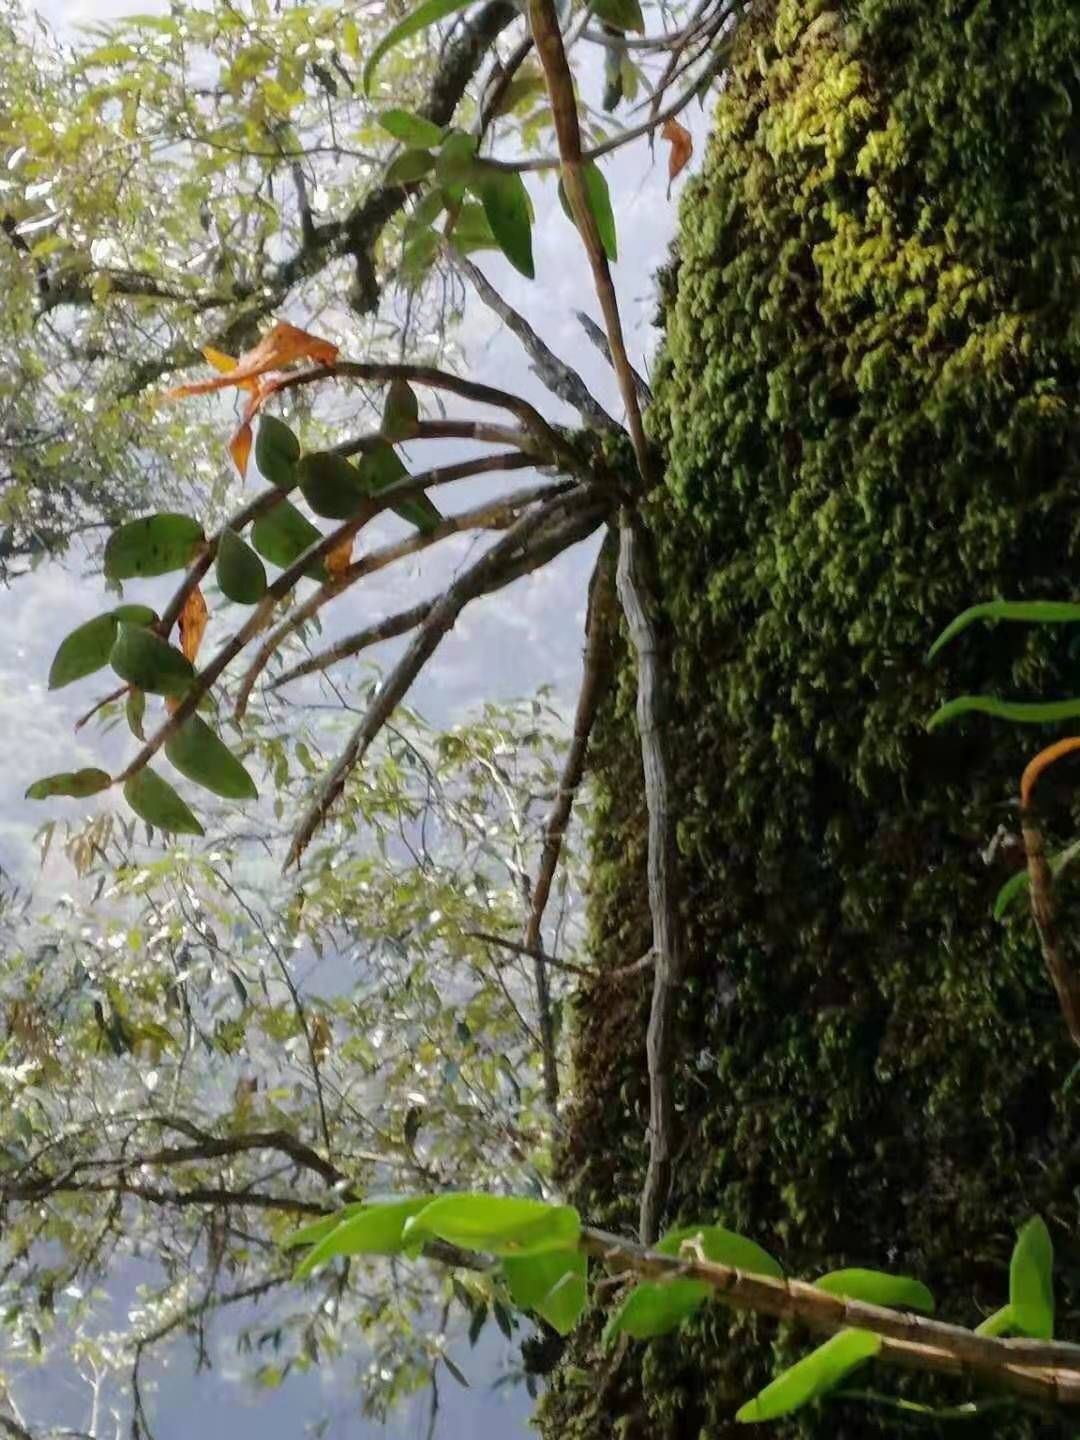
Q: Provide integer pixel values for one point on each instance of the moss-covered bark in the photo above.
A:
(868, 401)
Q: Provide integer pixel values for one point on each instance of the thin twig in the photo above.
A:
(599, 339)
(597, 670)
(561, 379)
(485, 574)
(495, 515)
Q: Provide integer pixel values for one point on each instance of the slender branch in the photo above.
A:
(495, 515)
(561, 379)
(388, 628)
(639, 594)
(404, 489)
(516, 948)
(486, 574)
(599, 339)
(444, 430)
(597, 671)
(1045, 1372)
(560, 85)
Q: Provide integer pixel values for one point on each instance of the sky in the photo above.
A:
(527, 636)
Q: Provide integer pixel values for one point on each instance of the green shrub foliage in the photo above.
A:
(868, 403)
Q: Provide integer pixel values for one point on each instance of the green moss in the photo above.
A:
(868, 405)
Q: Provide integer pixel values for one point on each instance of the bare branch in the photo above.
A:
(599, 339)
(561, 379)
(495, 515)
(597, 671)
(582, 512)
(639, 594)
(404, 489)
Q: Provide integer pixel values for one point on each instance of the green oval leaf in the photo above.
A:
(319, 1229)
(653, 1308)
(331, 485)
(88, 647)
(202, 756)
(401, 411)
(408, 167)
(381, 466)
(424, 15)
(155, 801)
(506, 205)
(899, 1292)
(276, 452)
(497, 1224)
(283, 535)
(153, 545)
(456, 164)
(553, 1284)
(821, 1371)
(372, 1229)
(143, 659)
(722, 1247)
(1031, 1281)
(240, 573)
(1021, 712)
(471, 230)
(1038, 612)
(412, 130)
(596, 188)
(76, 783)
(135, 711)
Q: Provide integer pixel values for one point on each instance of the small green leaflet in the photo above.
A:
(76, 783)
(276, 452)
(412, 130)
(135, 710)
(552, 1284)
(655, 1307)
(1038, 612)
(88, 647)
(374, 1229)
(1022, 712)
(408, 167)
(240, 573)
(506, 205)
(504, 1225)
(201, 756)
(1018, 883)
(898, 1292)
(1031, 1281)
(999, 1323)
(319, 1229)
(424, 15)
(155, 801)
(143, 659)
(821, 1371)
(153, 545)
(381, 466)
(596, 188)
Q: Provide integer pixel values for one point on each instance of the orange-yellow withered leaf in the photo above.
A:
(193, 618)
(682, 147)
(256, 371)
(338, 560)
(1042, 761)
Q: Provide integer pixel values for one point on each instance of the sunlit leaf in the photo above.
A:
(1031, 1281)
(821, 1371)
(412, 130)
(899, 1292)
(376, 1229)
(553, 1284)
(497, 1224)
(425, 15)
(281, 346)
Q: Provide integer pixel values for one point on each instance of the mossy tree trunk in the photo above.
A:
(869, 403)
